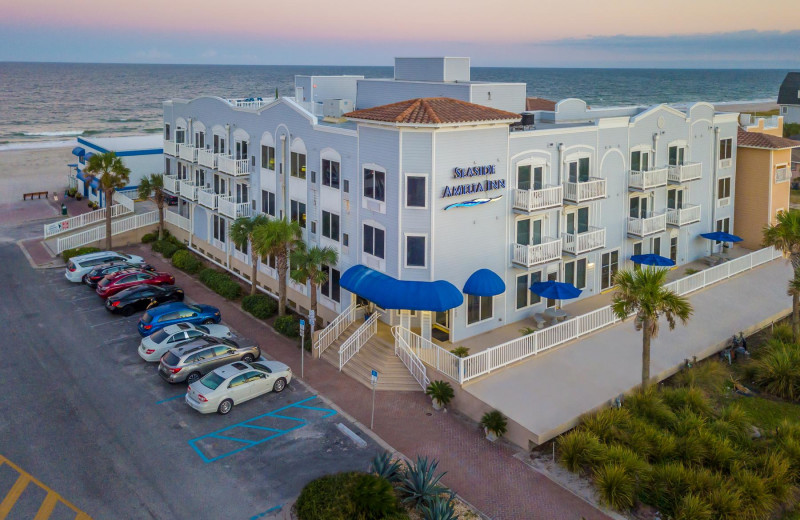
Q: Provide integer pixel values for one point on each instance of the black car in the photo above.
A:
(93, 277)
(171, 200)
(142, 297)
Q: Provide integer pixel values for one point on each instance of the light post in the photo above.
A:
(302, 346)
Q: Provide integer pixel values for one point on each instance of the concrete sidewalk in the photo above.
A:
(547, 393)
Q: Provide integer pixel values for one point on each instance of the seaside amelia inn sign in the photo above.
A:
(481, 186)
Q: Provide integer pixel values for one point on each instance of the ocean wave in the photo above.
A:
(63, 133)
(153, 130)
(123, 120)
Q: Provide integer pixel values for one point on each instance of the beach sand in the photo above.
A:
(746, 107)
(25, 171)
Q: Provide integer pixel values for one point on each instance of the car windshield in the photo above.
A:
(104, 282)
(212, 381)
(201, 328)
(263, 368)
(159, 336)
(123, 255)
(171, 359)
(147, 318)
(195, 308)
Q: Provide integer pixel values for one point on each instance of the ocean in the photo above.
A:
(49, 103)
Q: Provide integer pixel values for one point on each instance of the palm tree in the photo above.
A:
(154, 183)
(278, 238)
(242, 234)
(785, 235)
(641, 292)
(112, 175)
(794, 291)
(307, 267)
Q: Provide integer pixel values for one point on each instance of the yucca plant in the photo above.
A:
(757, 501)
(441, 392)
(782, 332)
(720, 452)
(668, 484)
(616, 487)
(626, 458)
(688, 422)
(776, 470)
(373, 497)
(709, 376)
(383, 466)
(608, 423)
(693, 507)
(777, 370)
(690, 449)
(420, 483)
(648, 405)
(725, 502)
(578, 449)
(494, 423)
(690, 398)
(439, 508)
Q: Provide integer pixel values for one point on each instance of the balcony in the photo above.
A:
(206, 197)
(642, 227)
(187, 152)
(230, 208)
(535, 200)
(578, 192)
(171, 184)
(579, 243)
(647, 180)
(231, 166)
(530, 255)
(170, 148)
(685, 173)
(188, 189)
(207, 158)
(689, 214)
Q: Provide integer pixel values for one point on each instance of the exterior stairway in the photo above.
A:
(377, 354)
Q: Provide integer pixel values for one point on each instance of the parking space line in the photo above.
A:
(105, 323)
(270, 510)
(46, 509)
(225, 437)
(13, 495)
(83, 298)
(83, 311)
(170, 399)
(253, 426)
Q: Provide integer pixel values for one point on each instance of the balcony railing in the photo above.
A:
(171, 184)
(170, 148)
(188, 190)
(230, 208)
(231, 166)
(530, 255)
(684, 216)
(187, 152)
(207, 158)
(647, 226)
(577, 192)
(206, 197)
(579, 243)
(685, 173)
(534, 200)
(647, 180)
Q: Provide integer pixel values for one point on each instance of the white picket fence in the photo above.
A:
(99, 233)
(412, 362)
(359, 338)
(79, 221)
(122, 199)
(335, 328)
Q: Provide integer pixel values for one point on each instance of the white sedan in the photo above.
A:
(233, 384)
(154, 346)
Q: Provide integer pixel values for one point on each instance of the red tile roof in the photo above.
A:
(758, 140)
(433, 111)
(537, 103)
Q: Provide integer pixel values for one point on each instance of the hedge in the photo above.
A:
(149, 238)
(259, 305)
(186, 261)
(332, 498)
(78, 251)
(288, 325)
(220, 283)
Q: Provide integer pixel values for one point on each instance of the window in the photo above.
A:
(200, 177)
(167, 133)
(219, 228)
(415, 251)
(637, 249)
(524, 295)
(724, 225)
(373, 241)
(219, 144)
(299, 165)
(675, 198)
(677, 155)
(242, 193)
(579, 170)
(575, 273)
(330, 288)
(479, 308)
(268, 157)
(578, 221)
(330, 225)
(241, 150)
(200, 140)
(415, 191)
(268, 203)
(168, 168)
(724, 188)
(656, 247)
(609, 265)
(374, 184)
(640, 161)
(330, 173)
(529, 232)
(180, 135)
(673, 249)
(299, 213)
(530, 177)
(346, 186)
(725, 148)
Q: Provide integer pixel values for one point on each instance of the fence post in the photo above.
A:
(461, 371)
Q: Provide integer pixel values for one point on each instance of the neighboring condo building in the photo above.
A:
(789, 98)
(431, 177)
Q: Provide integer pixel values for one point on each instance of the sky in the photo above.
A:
(527, 33)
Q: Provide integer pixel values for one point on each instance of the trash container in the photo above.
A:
(63, 209)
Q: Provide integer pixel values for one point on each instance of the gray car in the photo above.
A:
(193, 359)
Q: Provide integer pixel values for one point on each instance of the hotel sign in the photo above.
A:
(474, 187)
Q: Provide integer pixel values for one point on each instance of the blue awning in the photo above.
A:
(484, 282)
(90, 154)
(79, 151)
(389, 293)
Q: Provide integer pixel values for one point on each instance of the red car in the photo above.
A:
(116, 282)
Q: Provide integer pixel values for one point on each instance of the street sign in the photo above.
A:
(302, 326)
(374, 384)
(311, 315)
(374, 377)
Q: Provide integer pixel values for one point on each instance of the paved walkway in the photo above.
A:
(547, 393)
(485, 474)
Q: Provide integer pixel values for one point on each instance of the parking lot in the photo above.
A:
(87, 417)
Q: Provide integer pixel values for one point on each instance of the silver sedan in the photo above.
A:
(154, 346)
(233, 384)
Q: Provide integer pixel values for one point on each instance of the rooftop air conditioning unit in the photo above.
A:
(335, 108)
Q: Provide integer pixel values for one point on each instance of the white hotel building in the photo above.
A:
(429, 180)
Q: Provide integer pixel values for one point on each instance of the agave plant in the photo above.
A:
(383, 466)
(439, 508)
(616, 487)
(420, 485)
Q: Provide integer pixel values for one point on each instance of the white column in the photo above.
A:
(405, 319)
(425, 324)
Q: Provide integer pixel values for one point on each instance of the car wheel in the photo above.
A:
(225, 406)
(248, 358)
(208, 321)
(127, 310)
(279, 385)
(85, 279)
(192, 378)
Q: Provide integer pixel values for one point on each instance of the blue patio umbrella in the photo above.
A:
(721, 236)
(555, 290)
(651, 259)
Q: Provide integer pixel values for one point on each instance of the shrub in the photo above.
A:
(259, 305)
(626, 458)
(373, 497)
(149, 238)
(777, 473)
(578, 449)
(777, 370)
(782, 333)
(460, 351)
(495, 422)
(756, 498)
(328, 498)
(691, 398)
(166, 247)
(186, 261)
(439, 509)
(220, 283)
(615, 486)
(709, 376)
(692, 507)
(287, 325)
(607, 424)
(725, 502)
(78, 251)
(649, 405)
(421, 483)
(383, 466)
(442, 391)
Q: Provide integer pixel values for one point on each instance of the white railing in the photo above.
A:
(532, 200)
(359, 338)
(409, 359)
(123, 200)
(335, 328)
(242, 257)
(686, 215)
(171, 184)
(685, 172)
(579, 243)
(187, 152)
(188, 189)
(207, 198)
(79, 221)
(435, 356)
(177, 220)
(783, 174)
(207, 158)
(529, 255)
(230, 208)
(250, 102)
(518, 349)
(99, 233)
(648, 225)
(648, 179)
(170, 148)
(594, 188)
(269, 271)
(227, 164)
